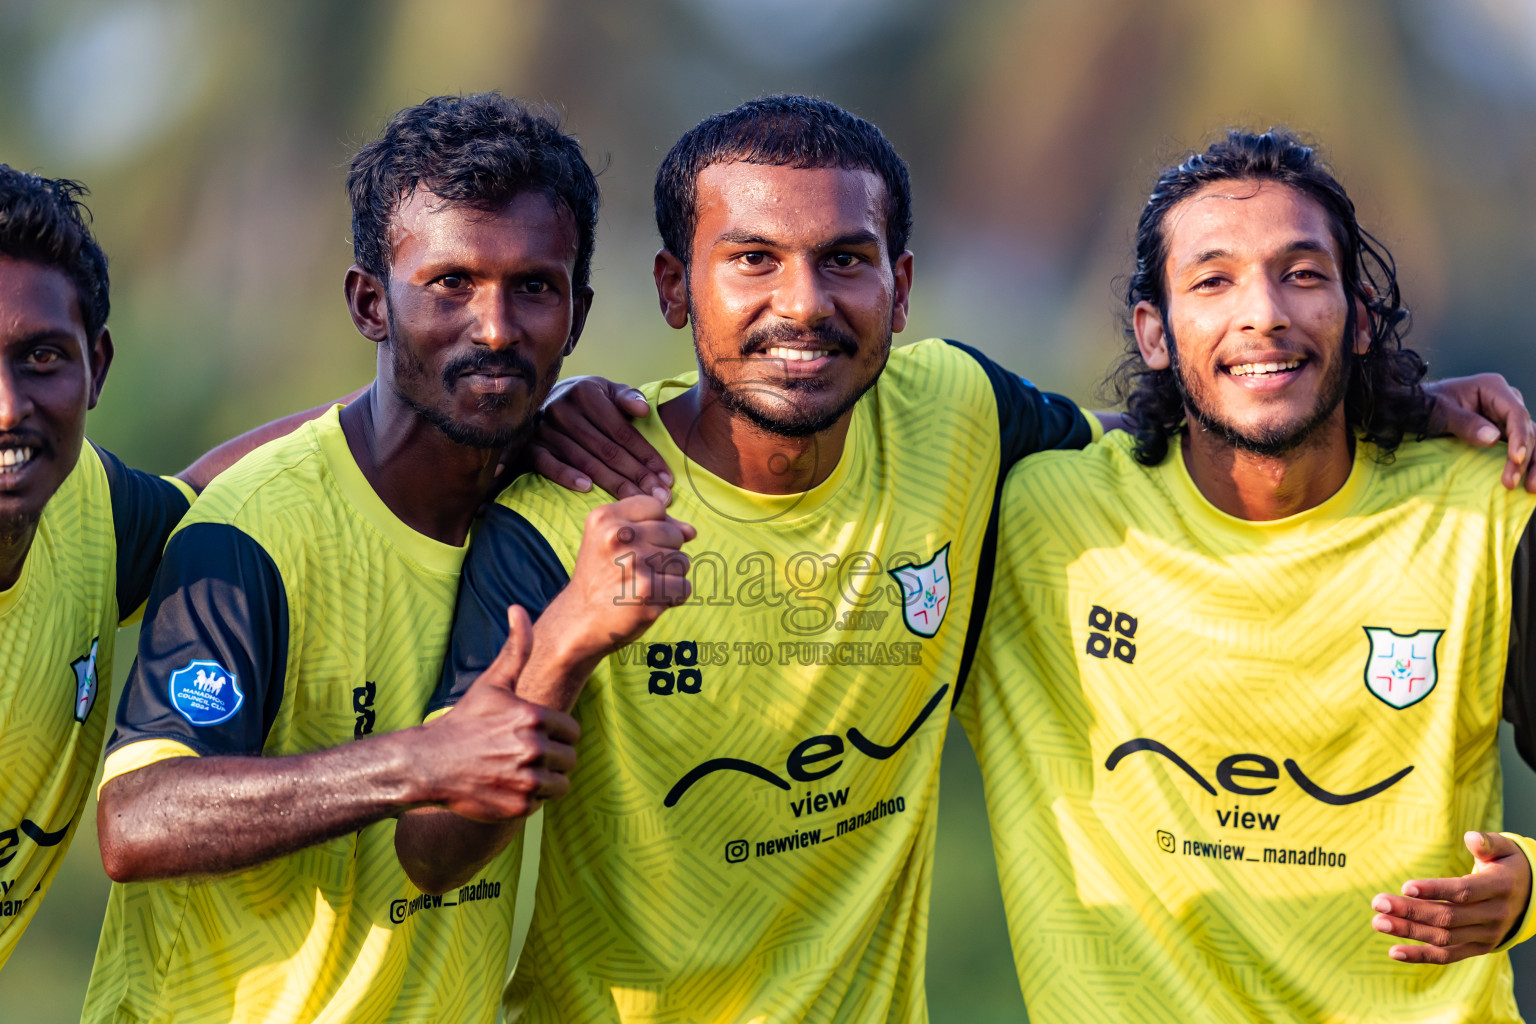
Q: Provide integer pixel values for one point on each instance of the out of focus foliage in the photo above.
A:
(215, 139)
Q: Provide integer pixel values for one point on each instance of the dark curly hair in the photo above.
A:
(481, 151)
(779, 131)
(1383, 400)
(42, 220)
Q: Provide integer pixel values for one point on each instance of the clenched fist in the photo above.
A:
(629, 570)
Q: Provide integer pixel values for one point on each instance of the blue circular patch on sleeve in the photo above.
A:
(205, 692)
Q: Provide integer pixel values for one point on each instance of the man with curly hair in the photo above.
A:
(750, 833)
(1245, 665)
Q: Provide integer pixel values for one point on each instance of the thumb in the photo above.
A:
(1487, 847)
(630, 401)
(503, 672)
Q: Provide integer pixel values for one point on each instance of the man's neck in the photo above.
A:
(1262, 488)
(15, 542)
(740, 452)
(431, 484)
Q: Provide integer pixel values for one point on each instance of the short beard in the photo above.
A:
(408, 367)
(1269, 443)
(18, 529)
(795, 423)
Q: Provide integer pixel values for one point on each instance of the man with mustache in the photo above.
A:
(273, 724)
(750, 831)
(80, 533)
(1243, 674)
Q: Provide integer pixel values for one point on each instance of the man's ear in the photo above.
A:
(1151, 337)
(903, 273)
(101, 361)
(581, 305)
(368, 302)
(1363, 332)
(671, 288)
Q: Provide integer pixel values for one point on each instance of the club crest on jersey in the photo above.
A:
(205, 692)
(925, 592)
(85, 681)
(1400, 668)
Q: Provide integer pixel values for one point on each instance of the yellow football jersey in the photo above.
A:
(293, 612)
(1208, 742)
(89, 566)
(749, 830)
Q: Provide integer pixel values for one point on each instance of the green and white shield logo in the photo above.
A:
(1400, 668)
(924, 592)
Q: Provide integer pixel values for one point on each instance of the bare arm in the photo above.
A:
(209, 815)
(494, 757)
(597, 612)
(210, 464)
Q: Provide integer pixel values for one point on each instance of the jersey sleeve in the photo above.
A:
(509, 563)
(1520, 670)
(1525, 924)
(1031, 420)
(213, 651)
(145, 509)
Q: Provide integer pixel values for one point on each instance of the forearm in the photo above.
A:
(210, 464)
(560, 663)
(440, 850)
(211, 815)
(554, 682)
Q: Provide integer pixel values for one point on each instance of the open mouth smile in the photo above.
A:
(14, 460)
(797, 355)
(1270, 369)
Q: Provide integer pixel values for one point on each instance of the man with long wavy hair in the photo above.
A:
(1245, 665)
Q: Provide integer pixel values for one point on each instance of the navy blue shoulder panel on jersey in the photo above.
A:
(509, 563)
(1030, 420)
(213, 649)
(145, 509)
(1520, 671)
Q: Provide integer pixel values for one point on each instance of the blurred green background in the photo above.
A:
(215, 139)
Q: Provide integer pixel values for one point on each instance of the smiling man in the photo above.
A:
(80, 533)
(1244, 670)
(272, 728)
(750, 834)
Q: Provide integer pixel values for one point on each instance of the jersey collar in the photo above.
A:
(750, 508)
(354, 486)
(1309, 523)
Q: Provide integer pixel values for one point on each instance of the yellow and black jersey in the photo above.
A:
(749, 831)
(1208, 742)
(293, 612)
(89, 567)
